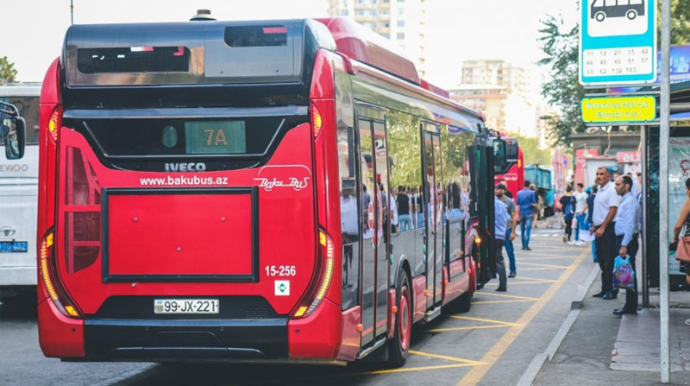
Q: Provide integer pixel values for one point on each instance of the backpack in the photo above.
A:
(569, 210)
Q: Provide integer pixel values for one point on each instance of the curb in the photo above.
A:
(535, 366)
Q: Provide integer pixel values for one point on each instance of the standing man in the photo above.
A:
(527, 204)
(606, 205)
(500, 220)
(626, 236)
(580, 208)
(511, 224)
(590, 214)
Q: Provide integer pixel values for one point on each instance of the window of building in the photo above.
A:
(387, 36)
(401, 23)
(372, 12)
(343, 12)
(401, 36)
(401, 11)
(359, 12)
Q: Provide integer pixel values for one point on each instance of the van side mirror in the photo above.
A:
(500, 160)
(12, 131)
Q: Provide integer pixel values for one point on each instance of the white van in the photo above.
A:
(18, 196)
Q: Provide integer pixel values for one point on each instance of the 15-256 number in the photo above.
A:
(280, 270)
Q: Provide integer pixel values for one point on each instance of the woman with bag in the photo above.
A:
(683, 244)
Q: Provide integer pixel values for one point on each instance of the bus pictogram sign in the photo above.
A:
(617, 42)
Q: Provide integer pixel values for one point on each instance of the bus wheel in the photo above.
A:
(600, 16)
(464, 302)
(632, 14)
(398, 347)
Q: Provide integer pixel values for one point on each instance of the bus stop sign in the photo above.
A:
(617, 42)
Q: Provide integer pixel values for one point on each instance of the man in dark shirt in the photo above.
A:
(526, 204)
(403, 209)
(590, 212)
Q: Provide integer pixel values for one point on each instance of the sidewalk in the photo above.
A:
(603, 349)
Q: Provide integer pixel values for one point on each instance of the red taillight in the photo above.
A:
(55, 123)
(316, 120)
(82, 227)
(326, 253)
(47, 271)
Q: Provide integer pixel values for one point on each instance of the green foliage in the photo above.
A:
(531, 151)
(680, 22)
(8, 73)
(563, 91)
(561, 49)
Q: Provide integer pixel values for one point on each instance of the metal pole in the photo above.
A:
(663, 188)
(71, 12)
(643, 231)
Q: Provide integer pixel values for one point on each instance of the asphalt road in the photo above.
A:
(493, 344)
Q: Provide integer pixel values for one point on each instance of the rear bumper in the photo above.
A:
(141, 340)
(18, 275)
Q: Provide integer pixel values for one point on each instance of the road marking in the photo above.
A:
(539, 269)
(545, 265)
(549, 247)
(445, 357)
(507, 296)
(543, 256)
(535, 279)
(494, 324)
(482, 320)
(477, 373)
(410, 369)
(501, 301)
(447, 329)
(520, 283)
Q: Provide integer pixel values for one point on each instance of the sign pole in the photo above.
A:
(663, 189)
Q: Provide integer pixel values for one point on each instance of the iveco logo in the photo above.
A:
(7, 231)
(185, 167)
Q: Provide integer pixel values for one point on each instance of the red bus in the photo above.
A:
(230, 191)
(513, 173)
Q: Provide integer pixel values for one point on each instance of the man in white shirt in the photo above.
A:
(626, 236)
(580, 212)
(606, 205)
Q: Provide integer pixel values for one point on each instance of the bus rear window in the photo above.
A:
(256, 36)
(162, 137)
(133, 59)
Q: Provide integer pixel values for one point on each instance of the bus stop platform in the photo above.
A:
(603, 349)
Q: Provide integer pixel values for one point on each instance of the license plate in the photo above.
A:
(185, 306)
(14, 246)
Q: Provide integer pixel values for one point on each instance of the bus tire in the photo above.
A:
(600, 16)
(464, 302)
(398, 348)
(631, 14)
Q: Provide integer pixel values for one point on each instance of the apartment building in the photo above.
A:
(401, 21)
(503, 92)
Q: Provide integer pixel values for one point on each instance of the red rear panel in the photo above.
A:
(156, 233)
(267, 238)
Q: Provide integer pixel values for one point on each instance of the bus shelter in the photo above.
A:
(679, 171)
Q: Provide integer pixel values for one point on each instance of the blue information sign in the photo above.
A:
(617, 42)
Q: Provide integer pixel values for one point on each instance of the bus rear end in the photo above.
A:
(180, 214)
(18, 190)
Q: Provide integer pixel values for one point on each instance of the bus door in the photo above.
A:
(375, 222)
(434, 213)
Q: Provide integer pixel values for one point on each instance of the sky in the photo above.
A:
(458, 30)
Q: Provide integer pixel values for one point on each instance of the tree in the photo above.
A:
(531, 151)
(563, 90)
(680, 22)
(8, 73)
(561, 48)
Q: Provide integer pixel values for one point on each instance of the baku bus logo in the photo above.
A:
(283, 176)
